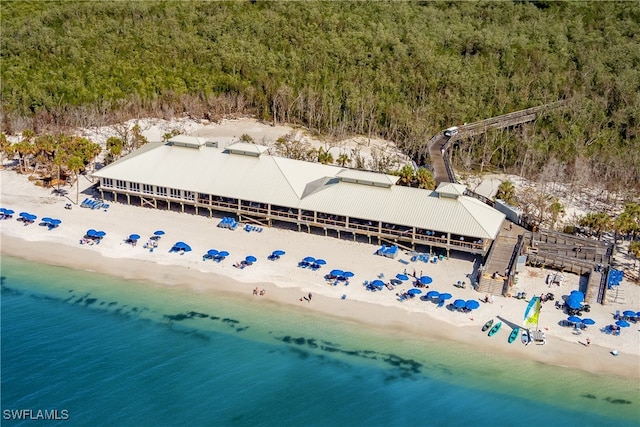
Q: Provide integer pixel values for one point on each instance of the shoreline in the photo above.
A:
(393, 321)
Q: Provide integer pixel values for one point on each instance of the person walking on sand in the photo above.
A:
(310, 296)
(588, 341)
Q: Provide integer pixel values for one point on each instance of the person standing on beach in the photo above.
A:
(310, 296)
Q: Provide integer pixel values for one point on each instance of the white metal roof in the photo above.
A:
(259, 177)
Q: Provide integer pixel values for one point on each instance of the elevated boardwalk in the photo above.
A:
(438, 145)
(501, 259)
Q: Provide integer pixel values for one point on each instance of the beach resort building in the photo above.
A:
(194, 175)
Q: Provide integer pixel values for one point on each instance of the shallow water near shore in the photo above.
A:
(112, 351)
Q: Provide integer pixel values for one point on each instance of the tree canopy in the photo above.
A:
(398, 70)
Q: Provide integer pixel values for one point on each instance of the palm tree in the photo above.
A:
(5, 148)
(425, 179)
(406, 174)
(634, 249)
(343, 159)
(557, 210)
(598, 222)
(507, 192)
(324, 156)
(75, 165)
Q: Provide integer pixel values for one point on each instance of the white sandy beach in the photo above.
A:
(286, 284)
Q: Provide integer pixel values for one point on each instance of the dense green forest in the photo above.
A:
(400, 70)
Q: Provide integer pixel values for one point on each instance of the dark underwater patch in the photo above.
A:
(618, 401)
(233, 321)
(588, 396)
(90, 301)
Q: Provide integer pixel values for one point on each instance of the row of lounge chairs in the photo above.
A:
(94, 204)
(249, 227)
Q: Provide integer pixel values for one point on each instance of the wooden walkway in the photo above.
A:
(499, 260)
(438, 145)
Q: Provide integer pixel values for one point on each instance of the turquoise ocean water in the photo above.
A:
(114, 352)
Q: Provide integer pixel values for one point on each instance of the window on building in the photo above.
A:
(107, 182)
(121, 185)
(147, 189)
(189, 195)
(162, 191)
(134, 186)
(175, 193)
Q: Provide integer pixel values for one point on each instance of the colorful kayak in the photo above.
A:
(495, 329)
(487, 325)
(514, 334)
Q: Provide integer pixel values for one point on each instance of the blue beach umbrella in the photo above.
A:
(100, 234)
(472, 304)
(278, 252)
(574, 319)
(55, 222)
(3, 211)
(402, 277)
(347, 274)
(9, 212)
(445, 296)
(576, 296)
(414, 291)
(309, 259)
(573, 304)
(638, 314)
(321, 262)
(459, 303)
(629, 313)
(251, 259)
(134, 237)
(433, 294)
(212, 252)
(24, 214)
(377, 283)
(425, 280)
(91, 232)
(623, 323)
(46, 219)
(223, 254)
(588, 321)
(336, 273)
(158, 233)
